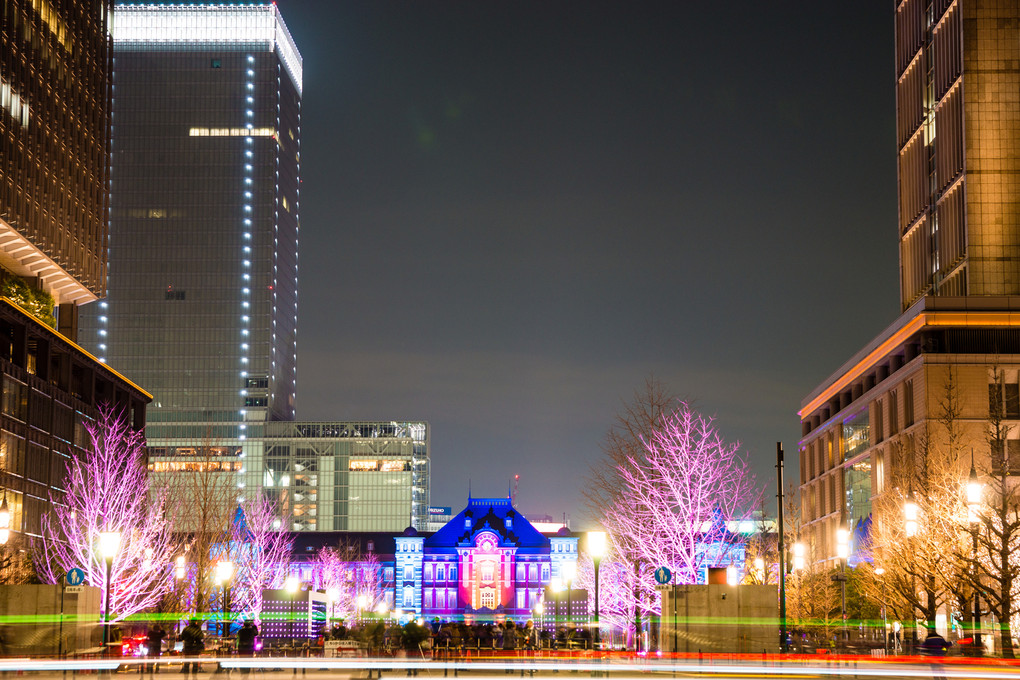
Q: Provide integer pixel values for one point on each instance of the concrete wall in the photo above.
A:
(30, 621)
(720, 619)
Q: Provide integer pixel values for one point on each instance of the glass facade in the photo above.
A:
(202, 303)
(54, 138)
(337, 476)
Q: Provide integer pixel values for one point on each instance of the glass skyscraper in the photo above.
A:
(202, 303)
(203, 280)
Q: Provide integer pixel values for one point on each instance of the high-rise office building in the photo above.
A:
(868, 427)
(202, 303)
(203, 282)
(54, 135)
(957, 133)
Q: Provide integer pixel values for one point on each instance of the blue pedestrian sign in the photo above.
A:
(663, 575)
(75, 577)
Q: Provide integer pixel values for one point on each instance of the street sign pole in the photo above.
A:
(60, 633)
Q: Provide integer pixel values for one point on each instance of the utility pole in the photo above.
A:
(783, 645)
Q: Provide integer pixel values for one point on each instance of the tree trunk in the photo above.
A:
(637, 606)
(1005, 640)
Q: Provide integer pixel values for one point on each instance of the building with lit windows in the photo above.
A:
(54, 136)
(202, 297)
(959, 241)
(351, 476)
(202, 289)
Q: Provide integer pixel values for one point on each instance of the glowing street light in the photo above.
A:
(842, 543)
(731, 575)
(597, 550)
(181, 569)
(333, 596)
(224, 572)
(569, 571)
(798, 556)
(5, 521)
(975, 490)
(879, 571)
(910, 513)
(292, 584)
(843, 552)
(109, 544)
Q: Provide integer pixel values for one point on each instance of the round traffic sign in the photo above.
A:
(75, 577)
(663, 575)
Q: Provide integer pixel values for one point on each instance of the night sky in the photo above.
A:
(513, 213)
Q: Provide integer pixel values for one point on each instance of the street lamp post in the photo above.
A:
(332, 596)
(362, 602)
(843, 552)
(224, 572)
(5, 521)
(910, 513)
(879, 571)
(974, 493)
(109, 544)
(597, 550)
(569, 570)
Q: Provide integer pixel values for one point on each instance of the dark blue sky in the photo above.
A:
(513, 213)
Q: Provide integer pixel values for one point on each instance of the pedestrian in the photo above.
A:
(530, 636)
(155, 645)
(509, 641)
(246, 641)
(194, 643)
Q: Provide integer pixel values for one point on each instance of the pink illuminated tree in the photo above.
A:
(107, 490)
(678, 493)
(260, 548)
(352, 581)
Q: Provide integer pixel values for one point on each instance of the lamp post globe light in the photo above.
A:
(597, 550)
(181, 569)
(5, 521)
(975, 491)
(109, 544)
(798, 556)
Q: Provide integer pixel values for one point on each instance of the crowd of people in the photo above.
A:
(384, 637)
(458, 636)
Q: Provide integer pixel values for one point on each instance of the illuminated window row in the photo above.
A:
(234, 132)
(174, 466)
(380, 465)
